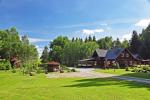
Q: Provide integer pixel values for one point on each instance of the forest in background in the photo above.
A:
(67, 51)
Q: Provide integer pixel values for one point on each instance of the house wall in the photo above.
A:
(100, 62)
(126, 58)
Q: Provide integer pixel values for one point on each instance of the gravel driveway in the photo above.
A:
(89, 73)
(82, 72)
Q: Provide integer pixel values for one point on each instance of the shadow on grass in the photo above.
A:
(138, 75)
(98, 82)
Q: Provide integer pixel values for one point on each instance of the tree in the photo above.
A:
(59, 41)
(13, 47)
(25, 39)
(45, 55)
(94, 38)
(73, 39)
(145, 39)
(10, 42)
(135, 43)
(125, 44)
(74, 51)
(89, 38)
(105, 43)
(56, 47)
(86, 40)
(117, 43)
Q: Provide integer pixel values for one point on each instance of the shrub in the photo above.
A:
(61, 71)
(146, 68)
(39, 70)
(73, 70)
(32, 74)
(117, 65)
(29, 67)
(2, 67)
(127, 69)
(46, 72)
(4, 64)
(13, 71)
(68, 70)
(63, 67)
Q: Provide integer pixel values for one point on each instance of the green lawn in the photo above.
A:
(122, 72)
(14, 86)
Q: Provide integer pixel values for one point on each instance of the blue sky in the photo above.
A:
(43, 20)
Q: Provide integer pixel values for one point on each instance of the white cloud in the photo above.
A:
(91, 32)
(40, 50)
(126, 37)
(143, 23)
(35, 40)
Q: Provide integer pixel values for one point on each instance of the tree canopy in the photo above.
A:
(12, 46)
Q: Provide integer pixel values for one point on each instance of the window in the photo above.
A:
(127, 55)
(122, 55)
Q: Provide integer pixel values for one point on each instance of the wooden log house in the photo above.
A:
(105, 58)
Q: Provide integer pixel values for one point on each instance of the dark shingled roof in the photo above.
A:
(108, 54)
(101, 52)
(114, 53)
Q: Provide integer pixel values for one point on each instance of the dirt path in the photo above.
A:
(89, 73)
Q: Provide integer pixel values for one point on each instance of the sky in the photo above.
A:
(44, 20)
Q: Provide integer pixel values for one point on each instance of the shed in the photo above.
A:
(53, 66)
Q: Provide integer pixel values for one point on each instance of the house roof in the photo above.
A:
(89, 59)
(101, 52)
(114, 53)
(53, 63)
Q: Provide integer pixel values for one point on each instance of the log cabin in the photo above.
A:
(105, 58)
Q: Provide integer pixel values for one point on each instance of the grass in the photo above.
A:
(122, 72)
(15, 86)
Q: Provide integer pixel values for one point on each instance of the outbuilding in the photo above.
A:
(53, 66)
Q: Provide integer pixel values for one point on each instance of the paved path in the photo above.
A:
(89, 73)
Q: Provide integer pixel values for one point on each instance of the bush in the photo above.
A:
(127, 69)
(116, 65)
(13, 71)
(39, 70)
(73, 70)
(32, 74)
(2, 67)
(61, 71)
(63, 67)
(146, 68)
(4, 64)
(46, 72)
(30, 67)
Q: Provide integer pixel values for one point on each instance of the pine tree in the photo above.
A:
(45, 55)
(89, 38)
(135, 43)
(86, 40)
(94, 38)
(76, 39)
(81, 40)
(73, 39)
(145, 39)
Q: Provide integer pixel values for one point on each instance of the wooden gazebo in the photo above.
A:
(53, 66)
